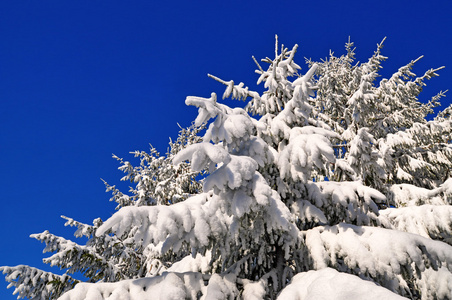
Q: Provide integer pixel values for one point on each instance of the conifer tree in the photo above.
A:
(328, 176)
(110, 258)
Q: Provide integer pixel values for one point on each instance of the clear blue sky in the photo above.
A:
(80, 80)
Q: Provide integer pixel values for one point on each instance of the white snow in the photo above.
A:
(170, 225)
(202, 155)
(411, 195)
(302, 153)
(168, 286)
(430, 221)
(348, 200)
(232, 174)
(377, 252)
(329, 284)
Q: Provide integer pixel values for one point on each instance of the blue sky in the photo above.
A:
(80, 80)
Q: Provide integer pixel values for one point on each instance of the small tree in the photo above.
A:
(336, 178)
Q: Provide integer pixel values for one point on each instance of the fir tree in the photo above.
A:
(110, 258)
(334, 178)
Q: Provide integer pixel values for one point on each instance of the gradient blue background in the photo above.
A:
(80, 80)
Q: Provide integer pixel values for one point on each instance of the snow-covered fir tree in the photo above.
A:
(111, 258)
(330, 184)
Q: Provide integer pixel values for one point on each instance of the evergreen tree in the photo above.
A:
(336, 178)
(110, 258)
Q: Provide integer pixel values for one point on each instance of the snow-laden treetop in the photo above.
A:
(331, 184)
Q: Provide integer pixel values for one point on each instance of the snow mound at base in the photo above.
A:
(329, 284)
